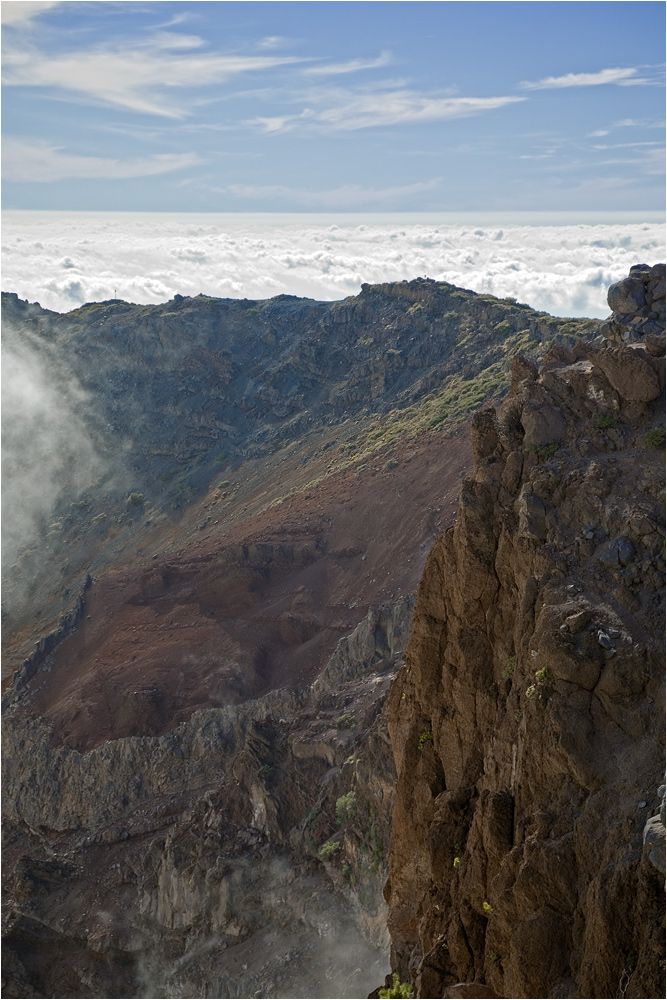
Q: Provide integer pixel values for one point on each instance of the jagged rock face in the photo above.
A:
(192, 864)
(527, 719)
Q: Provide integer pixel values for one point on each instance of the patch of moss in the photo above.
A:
(655, 438)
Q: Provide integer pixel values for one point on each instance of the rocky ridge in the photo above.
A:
(527, 720)
(203, 412)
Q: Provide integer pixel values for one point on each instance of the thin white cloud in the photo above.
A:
(627, 123)
(21, 12)
(273, 42)
(352, 66)
(617, 76)
(349, 111)
(347, 196)
(639, 123)
(142, 76)
(624, 145)
(32, 161)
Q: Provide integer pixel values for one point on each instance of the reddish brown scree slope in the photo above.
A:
(231, 615)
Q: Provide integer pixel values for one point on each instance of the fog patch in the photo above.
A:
(47, 442)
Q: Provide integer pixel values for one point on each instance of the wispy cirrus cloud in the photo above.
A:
(349, 110)
(351, 66)
(628, 123)
(29, 160)
(273, 42)
(21, 12)
(141, 76)
(621, 77)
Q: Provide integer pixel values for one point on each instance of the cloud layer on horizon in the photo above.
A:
(64, 262)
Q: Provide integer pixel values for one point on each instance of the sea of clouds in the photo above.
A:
(62, 260)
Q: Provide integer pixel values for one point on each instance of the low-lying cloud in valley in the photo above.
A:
(65, 260)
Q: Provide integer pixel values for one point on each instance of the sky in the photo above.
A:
(333, 107)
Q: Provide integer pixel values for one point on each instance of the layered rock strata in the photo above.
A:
(527, 720)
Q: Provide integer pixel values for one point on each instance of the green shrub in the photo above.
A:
(426, 737)
(547, 451)
(544, 677)
(488, 909)
(346, 807)
(391, 463)
(655, 438)
(398, 989)
(502, 329)
(99, 518)
(605, 422)
(345, 722)
(509, 667)
(136, 500)
(327, 851)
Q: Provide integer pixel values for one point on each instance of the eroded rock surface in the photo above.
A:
(527, 720)
(194, 864)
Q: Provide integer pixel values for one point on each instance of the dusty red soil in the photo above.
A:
(234, 611)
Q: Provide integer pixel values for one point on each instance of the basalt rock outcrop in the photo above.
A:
(527, 853)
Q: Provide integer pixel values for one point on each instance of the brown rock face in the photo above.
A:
(526, 720)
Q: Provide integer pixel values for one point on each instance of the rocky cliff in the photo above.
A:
(527, 721)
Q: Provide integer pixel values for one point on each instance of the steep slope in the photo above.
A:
(527, 721)
(200, 414)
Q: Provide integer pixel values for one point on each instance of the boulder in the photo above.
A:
(627, 295)
(542, 424)
(521, 369)
(484, 434)
(629, 373)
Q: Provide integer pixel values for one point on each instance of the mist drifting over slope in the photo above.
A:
(47, 440)
(65, 259)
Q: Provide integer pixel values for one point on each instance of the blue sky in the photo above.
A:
(325, 107)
